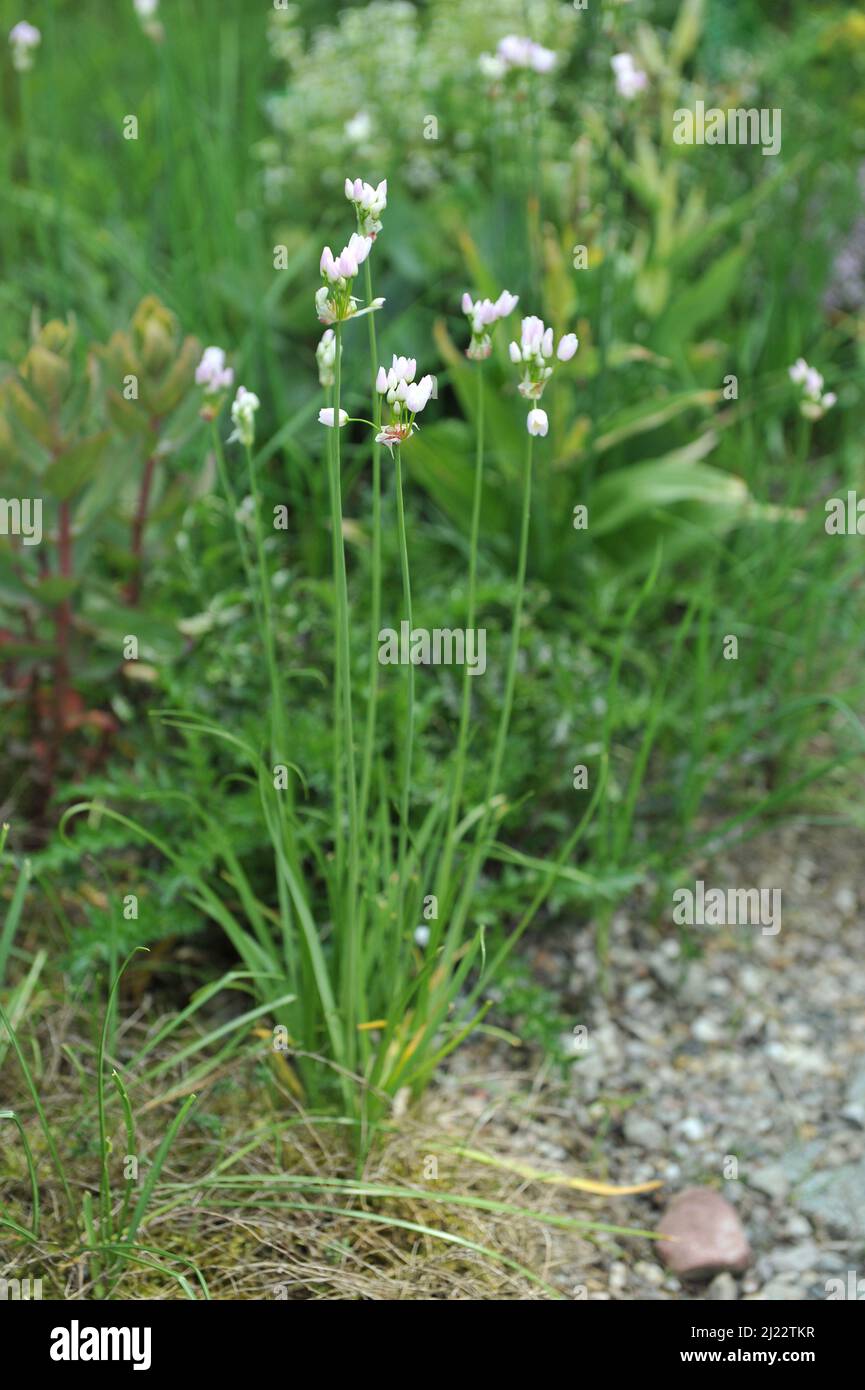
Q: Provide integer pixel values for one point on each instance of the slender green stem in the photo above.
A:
(375, 599)
(278, 732)
(462, 739)
(408, 747)
(230, 497)
(278, 750)
(352, 992)
(58, 182)
(481, 840)
(510, 681)
(337, 797)
(33, 175)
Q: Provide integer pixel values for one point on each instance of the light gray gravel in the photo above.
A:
(734, 1060)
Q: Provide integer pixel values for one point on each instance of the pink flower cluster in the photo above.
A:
(405, 396)
(369, 203)
(514, 52)
(482, 314)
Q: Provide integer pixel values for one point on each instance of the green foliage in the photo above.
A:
(703, 265)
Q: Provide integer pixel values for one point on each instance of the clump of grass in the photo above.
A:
(269, 1207)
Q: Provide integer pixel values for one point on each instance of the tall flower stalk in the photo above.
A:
(375, 597)
(406, 399)
(335, 305)
(482, 315)
(532, 354)
(408, 745)
(243, 410)
(351, 991)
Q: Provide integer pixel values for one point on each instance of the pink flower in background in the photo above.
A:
(517, 51)
(482, 314)
(630, 80)
(212, 374)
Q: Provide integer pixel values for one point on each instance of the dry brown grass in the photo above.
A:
(267, 1202)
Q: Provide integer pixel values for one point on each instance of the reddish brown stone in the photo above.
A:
(708, 1235)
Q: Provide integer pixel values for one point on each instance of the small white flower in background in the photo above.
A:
(630, 80)
(359, 128)
(243, 409)
(482, 314)
(516, 51)
(325, 356)
(325, 417)
(215, 378)
(24, 38)
(492, 66)
(148, 14)
(245, 513)
(405, 396)
(533, 352)
(815, 402)
(369, 203)
(421, 936)
(537, 422)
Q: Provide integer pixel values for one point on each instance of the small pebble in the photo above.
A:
(723, 1288)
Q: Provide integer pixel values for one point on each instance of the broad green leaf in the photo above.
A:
(701, 303)
(648, 415)
(637, 492)
(69, 473)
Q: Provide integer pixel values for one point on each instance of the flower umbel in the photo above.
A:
(533, 352)
(406, 398)
(243, 409)
(24, 38)
(482, 314)
(334, 302)
(815, 402)
(369, 203)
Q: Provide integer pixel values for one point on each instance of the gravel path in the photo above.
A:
(742, 1069)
